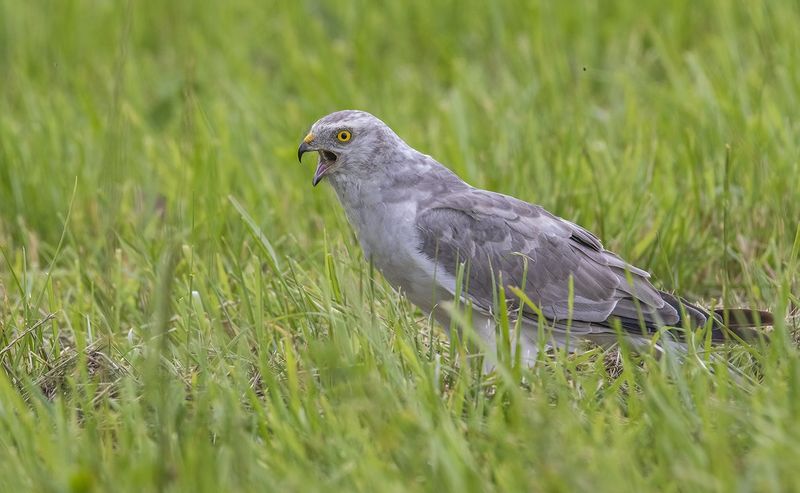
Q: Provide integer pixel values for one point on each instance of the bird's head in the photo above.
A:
(348, 142)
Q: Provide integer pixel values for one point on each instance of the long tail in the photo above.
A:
(742, 322)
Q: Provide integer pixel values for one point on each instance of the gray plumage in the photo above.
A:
(419, 223)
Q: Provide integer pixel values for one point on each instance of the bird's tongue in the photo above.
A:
(322, 167)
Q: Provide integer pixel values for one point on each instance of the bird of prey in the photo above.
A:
(438, 239)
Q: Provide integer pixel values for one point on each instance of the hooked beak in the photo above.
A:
(304, 148)
(326, 158)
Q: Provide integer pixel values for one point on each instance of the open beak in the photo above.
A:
(326, 158)
(319, 173)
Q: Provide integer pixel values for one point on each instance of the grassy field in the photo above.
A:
(181, 311)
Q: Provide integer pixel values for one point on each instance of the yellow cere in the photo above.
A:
(309, 138)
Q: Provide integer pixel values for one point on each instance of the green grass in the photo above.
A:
(180, 310)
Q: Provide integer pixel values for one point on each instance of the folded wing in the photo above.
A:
(502, 239)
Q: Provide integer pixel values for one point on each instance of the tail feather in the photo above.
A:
(742, 322)
(744, 317)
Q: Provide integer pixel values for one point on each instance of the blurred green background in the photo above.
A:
(181, 310)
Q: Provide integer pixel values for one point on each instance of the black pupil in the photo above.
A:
(343, 135)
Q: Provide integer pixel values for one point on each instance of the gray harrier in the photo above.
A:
(420, 224)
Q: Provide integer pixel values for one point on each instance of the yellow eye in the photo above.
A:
(343, 136)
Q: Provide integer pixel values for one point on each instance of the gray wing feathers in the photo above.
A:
(500, 237)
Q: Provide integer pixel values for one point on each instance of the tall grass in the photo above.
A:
(180, 310)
